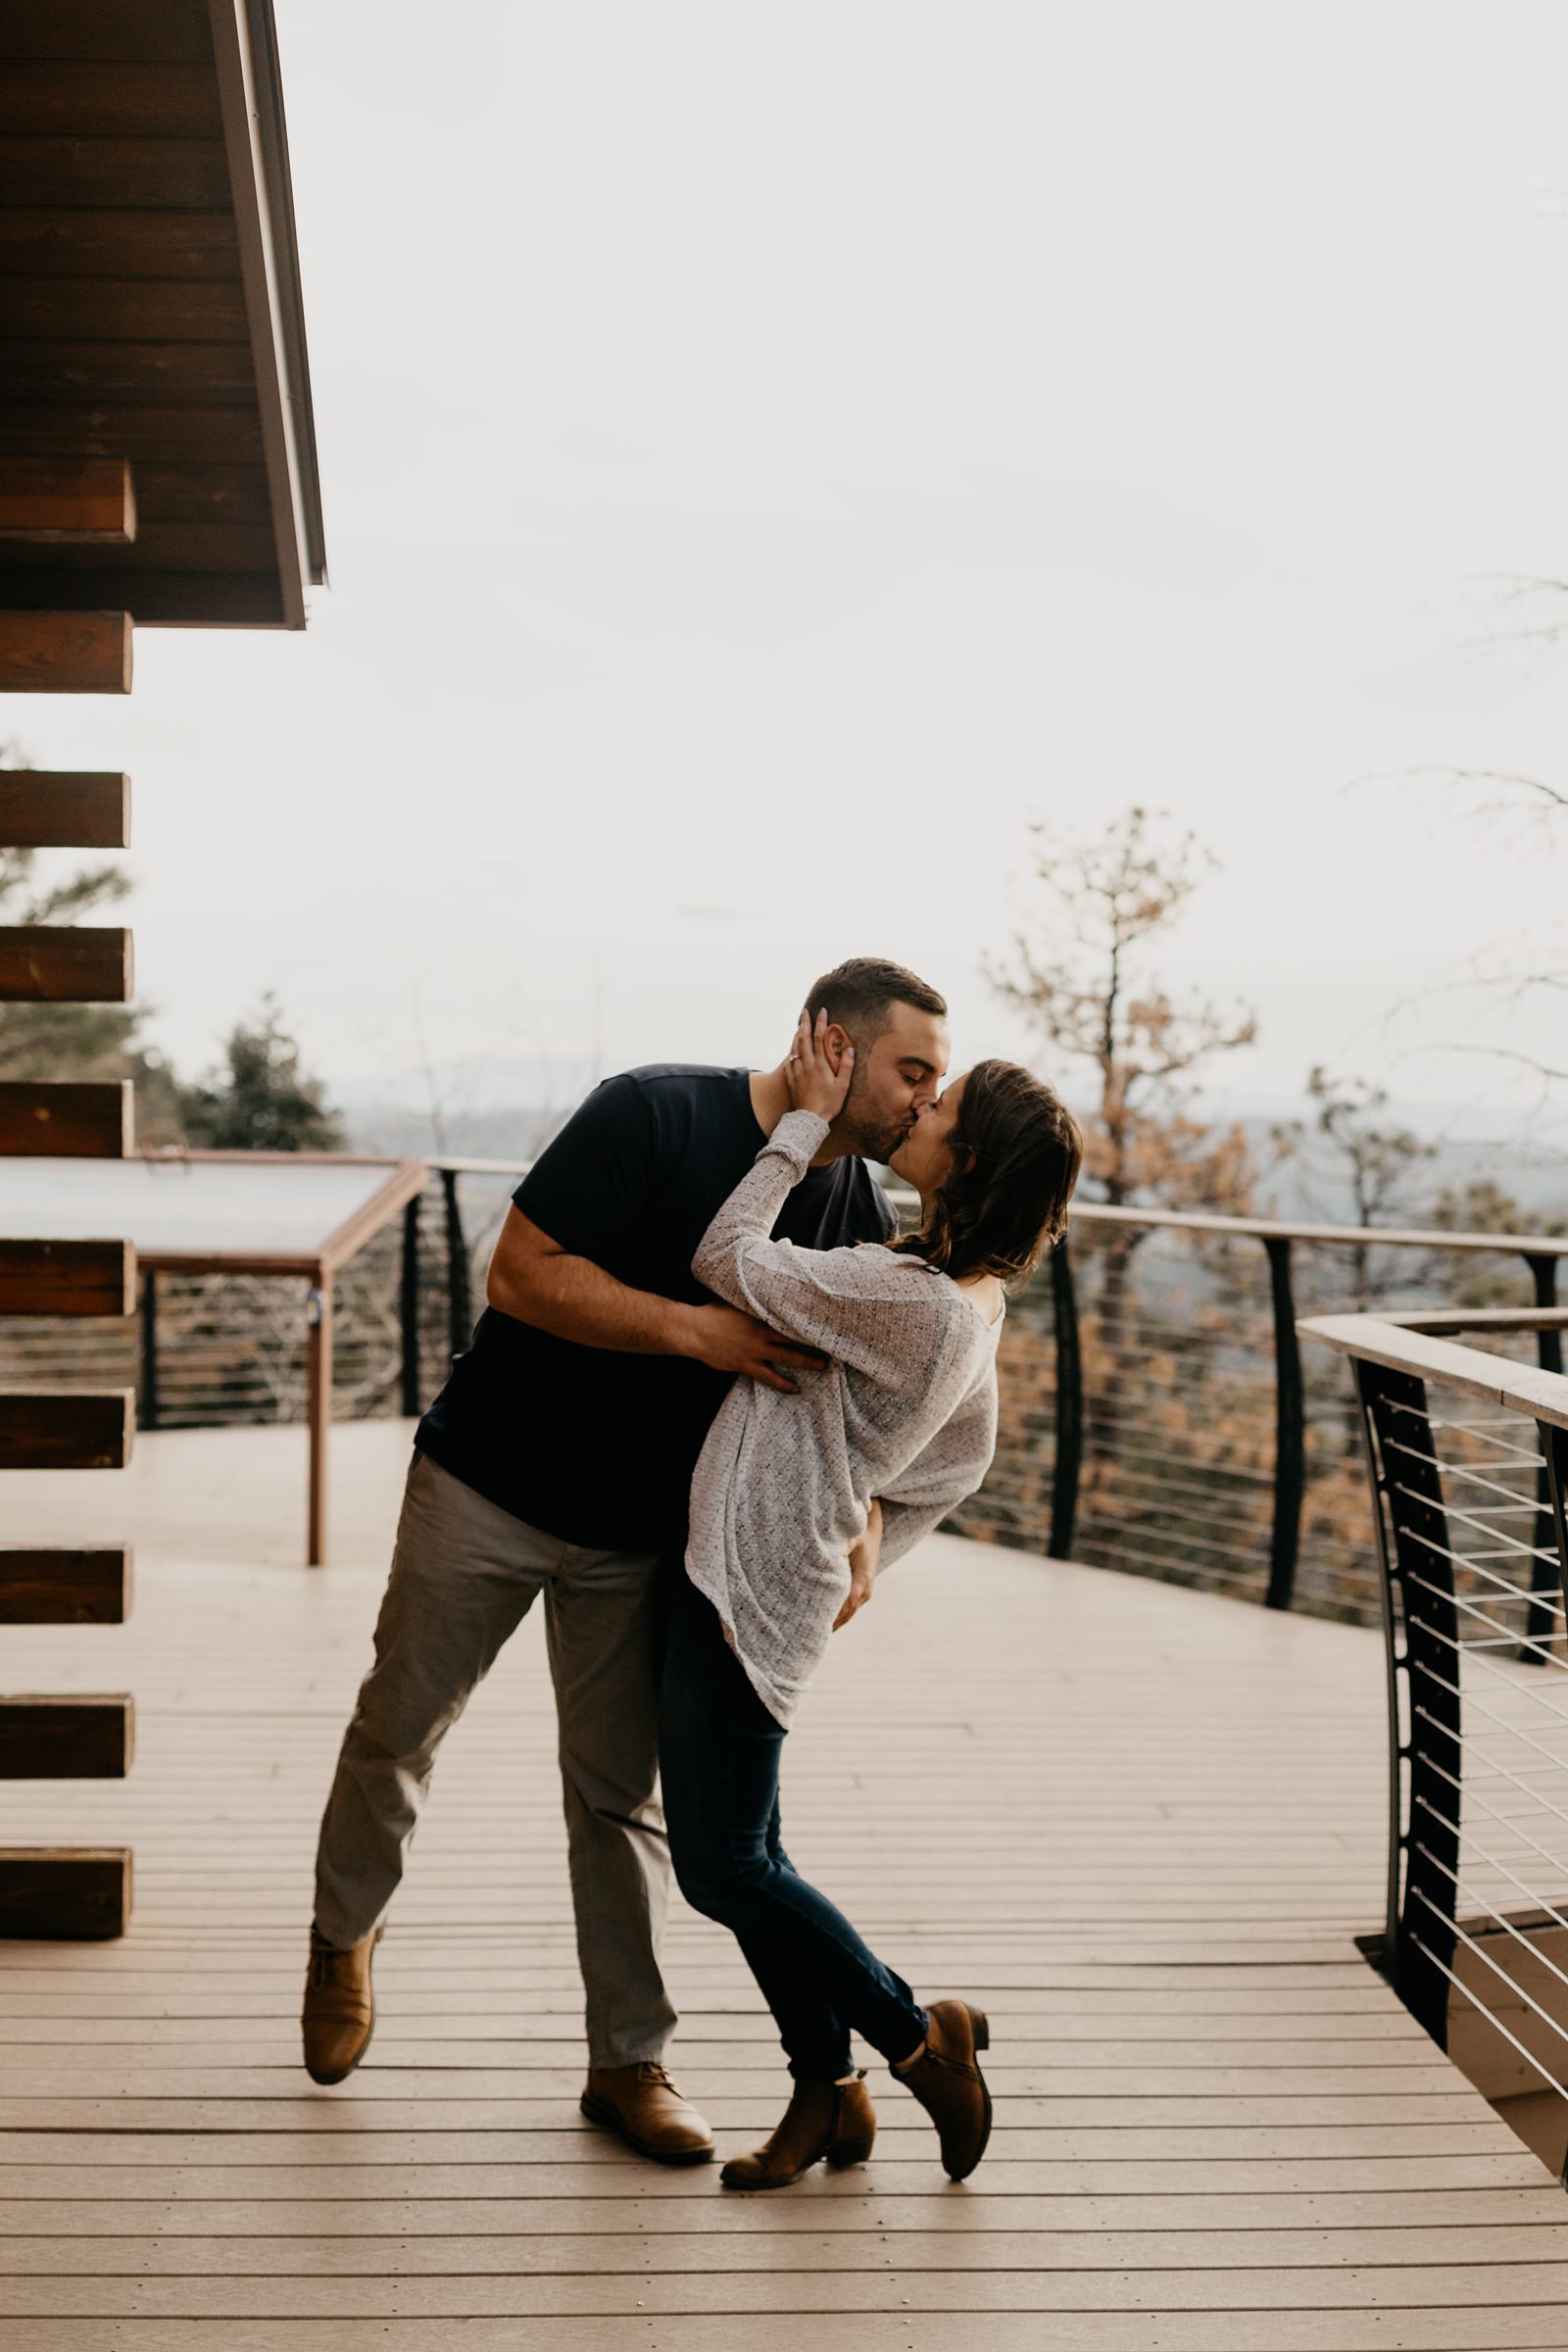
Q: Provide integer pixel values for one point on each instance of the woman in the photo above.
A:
(792, 1496)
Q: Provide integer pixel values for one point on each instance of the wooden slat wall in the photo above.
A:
(133, 482)
(54, 506)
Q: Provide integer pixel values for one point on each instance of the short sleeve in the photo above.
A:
(586, 1185)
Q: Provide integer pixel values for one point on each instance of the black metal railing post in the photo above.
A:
(1418, 1596)
(1367, 1377)
(1554, 1451)
(408, 1311)
(147, 1402)
(1289, 1431)
(1540, 1621)
(1069, 1452)
(459, 1300)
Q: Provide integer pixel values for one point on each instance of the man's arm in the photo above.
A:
(535, 1281)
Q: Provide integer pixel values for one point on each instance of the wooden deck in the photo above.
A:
(1140, 1824)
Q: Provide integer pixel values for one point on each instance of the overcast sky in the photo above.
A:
(772, 454)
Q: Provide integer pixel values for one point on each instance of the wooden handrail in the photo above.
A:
(1397, 1348)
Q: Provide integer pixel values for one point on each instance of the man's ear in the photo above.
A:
(835, 1039)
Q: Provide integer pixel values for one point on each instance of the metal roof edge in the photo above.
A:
(279, 191)
(250, 97)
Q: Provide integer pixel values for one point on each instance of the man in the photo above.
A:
(558, 1461)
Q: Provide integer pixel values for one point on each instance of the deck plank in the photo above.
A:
(1141, 1825)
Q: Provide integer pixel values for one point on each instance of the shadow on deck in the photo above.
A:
(1140, 1824)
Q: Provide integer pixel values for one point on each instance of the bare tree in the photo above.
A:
(1374, 1157)
(1081, 975)
(1081, 978)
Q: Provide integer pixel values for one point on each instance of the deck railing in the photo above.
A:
(1158, 1416)
(1468, 1458)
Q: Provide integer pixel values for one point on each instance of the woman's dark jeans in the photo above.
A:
(719, 1751)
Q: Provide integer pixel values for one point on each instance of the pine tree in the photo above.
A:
(260, 1099)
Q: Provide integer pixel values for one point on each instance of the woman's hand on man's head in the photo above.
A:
(818, 1072)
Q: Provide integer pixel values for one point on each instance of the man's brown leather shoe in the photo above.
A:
(824, 2122)
(642, 2105)
(339, 2012)
(949, 2084)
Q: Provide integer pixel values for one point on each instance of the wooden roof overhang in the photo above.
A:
(150, 307)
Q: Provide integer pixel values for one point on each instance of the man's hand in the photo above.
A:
(730, 1341)
(862, 1567)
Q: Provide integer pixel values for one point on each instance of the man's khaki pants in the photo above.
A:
(464, 1574)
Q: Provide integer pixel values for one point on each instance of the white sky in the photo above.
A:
(770, 454)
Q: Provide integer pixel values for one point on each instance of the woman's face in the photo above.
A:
(924, 1159)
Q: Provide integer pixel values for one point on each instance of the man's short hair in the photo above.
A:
(861, 994)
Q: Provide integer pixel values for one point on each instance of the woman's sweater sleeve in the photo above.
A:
(945, 1473)
(860, 1306)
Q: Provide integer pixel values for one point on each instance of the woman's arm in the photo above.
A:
(882, 1315)
(874, 1312)
(750, 1213)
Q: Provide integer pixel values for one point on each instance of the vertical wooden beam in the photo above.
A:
(319, 1413)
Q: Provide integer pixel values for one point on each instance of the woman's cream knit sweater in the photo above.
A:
(906, 1409)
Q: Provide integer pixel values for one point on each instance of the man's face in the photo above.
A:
(897, 1076)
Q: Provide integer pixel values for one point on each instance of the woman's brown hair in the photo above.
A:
(1016, 1153)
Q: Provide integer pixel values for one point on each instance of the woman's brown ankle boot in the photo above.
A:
(945, 2076)
(831, 2122)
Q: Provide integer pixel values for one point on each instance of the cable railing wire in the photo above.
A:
(1467, 1454)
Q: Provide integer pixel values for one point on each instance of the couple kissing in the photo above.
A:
(713, 1394)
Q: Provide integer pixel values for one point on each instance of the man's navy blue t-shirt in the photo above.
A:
(591, 1446)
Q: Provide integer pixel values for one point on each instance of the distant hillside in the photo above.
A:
(1310, 1185)
(513, 1134)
